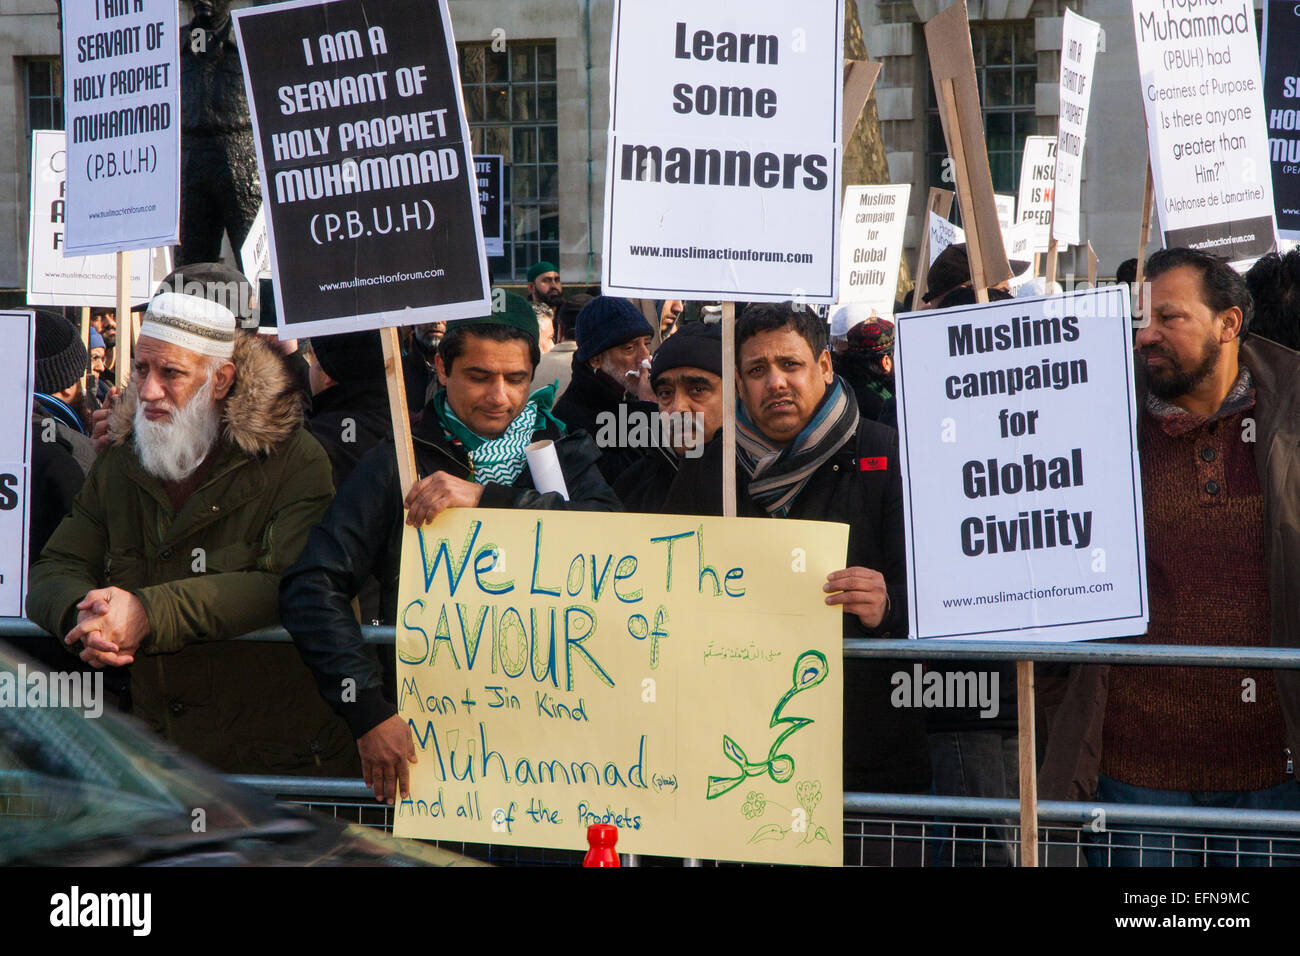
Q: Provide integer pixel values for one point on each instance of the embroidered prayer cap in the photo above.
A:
(541, 268)
(516, 312)
(190, 322)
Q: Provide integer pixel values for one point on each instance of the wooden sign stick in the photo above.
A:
(85, 340)
(939, 203)
(1038, 264)
(1051, 263)
(729, 409)
(1092, 266)
(406, 472)
(965, 199)
(1144, 236)
(125, 328)
(1028, 755)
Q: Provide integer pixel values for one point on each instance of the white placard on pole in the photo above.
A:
(943, 233)
(1078, 57)
(871, 244)
(17, 383)
(1206, 130)
(255, 253)
(1037, 184)
(1006, 211)
(1021, 486)
(723, 163)
(121, 101)
(55, 279)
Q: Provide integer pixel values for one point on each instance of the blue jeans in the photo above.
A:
(1147, 846)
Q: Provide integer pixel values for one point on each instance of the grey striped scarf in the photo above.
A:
(777, 474)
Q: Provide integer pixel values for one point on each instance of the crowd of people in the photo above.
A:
(238, 482)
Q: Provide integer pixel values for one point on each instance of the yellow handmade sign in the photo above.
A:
(678, 677)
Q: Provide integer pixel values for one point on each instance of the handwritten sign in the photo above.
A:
(724, 150)
(371, 198)
(17, 364)
(1078, 56)
(943, 233)
(680, 678)
(1206, 130)
(1021, 488)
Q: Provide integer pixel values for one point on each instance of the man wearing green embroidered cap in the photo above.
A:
(544, 284)
(469, 451)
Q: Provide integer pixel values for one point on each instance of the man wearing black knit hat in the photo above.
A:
(686, 375)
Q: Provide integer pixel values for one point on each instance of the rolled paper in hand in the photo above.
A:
(545, 467)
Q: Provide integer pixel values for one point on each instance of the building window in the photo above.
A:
(510, 98)
(44, 79)
(1006, 66)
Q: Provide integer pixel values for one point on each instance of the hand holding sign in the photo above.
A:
(861, 591)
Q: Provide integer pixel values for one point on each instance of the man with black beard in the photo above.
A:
(544, 285)
(176, 543)
(1219, 425)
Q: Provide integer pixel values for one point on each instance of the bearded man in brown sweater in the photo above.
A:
(1218, 431)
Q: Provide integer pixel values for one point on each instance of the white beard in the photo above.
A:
(171, 449)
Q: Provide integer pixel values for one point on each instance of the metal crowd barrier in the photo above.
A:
(929, 830)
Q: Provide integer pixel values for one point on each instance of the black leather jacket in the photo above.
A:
(361, 535)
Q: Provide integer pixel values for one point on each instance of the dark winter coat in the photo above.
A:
(361, 535)
(206, 574)
(586, 403)
(349, 419)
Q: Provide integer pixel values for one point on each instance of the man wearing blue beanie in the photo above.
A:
(611, 368)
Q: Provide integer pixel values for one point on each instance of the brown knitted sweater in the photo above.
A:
(1188, 728)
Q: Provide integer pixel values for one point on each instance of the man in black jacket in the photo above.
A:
(469, 450)
(349, 399)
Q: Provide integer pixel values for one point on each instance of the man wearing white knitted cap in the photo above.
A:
(176, 544)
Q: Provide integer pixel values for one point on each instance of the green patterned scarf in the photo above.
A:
(500, 459)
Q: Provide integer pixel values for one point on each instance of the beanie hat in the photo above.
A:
(540, 268)
(96, 340)
(874, 337)
(61, 359)
(516, 312)
(350, 356)
(698, 345)
(607, 322)
(950, 269)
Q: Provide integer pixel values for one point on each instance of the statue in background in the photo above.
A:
(220, 191)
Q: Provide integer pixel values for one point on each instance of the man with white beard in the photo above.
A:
(178, 539)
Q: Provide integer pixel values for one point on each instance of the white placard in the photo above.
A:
(723, 163)
(1206, 129)
(17, 383)
(1019, 242)
(1078, 56)
(255, 253)
(1037, 184)
(121, 100)
(52, 278)
(1006, 211)
(871, 244)
(943, 233)
(1021, 487)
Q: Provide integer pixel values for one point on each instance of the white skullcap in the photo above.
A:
(191, 322)
(847, 316)
(1038, 286)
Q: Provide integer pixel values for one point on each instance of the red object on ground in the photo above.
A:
(601, 838)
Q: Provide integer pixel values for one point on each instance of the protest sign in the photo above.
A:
(489, 172)
(52, 278)
(723, 163)
(1206, 133)
(871, 244)
(17, 373)
(937, 203)
(121, 83)
(1078, 56)
(943, 233)
(363, 147)
(952, 65)
(680, 678)
(255, 253)
(1006, 206)
(1021, 490)
(1282, 100)
(1037, 183)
